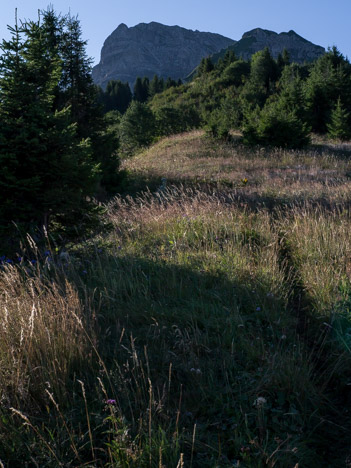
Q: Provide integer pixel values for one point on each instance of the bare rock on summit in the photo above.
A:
(149, 49)
(300, 49)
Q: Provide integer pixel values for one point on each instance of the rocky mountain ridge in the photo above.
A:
(300, 49)
(172, 51)
(154, 48)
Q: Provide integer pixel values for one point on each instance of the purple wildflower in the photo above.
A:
(111, 401)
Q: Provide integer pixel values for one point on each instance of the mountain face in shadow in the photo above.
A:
(171, 51)
(149, 49)
(300, 50)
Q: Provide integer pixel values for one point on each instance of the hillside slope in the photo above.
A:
(273, 177)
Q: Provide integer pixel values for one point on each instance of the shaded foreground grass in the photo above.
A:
(202, 331)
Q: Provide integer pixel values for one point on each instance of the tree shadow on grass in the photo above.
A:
(341, 151)
(229, 193)
(213, 333)
(208, 347)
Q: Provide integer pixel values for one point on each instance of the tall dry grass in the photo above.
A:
(206, 328)
(42, 338)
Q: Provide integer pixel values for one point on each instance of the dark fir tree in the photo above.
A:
(170, 83)
(156, 86)
(275, 126)
(236, 73)
(47, 171)
(118, 96)
(146, 86)
(141, 89)
(228, 58)
(290, 94)
(78, 92)
(138, 90)
(161, 86)
(283, 60)
(283, 119)
(137, 127)
(339, 126)
(264, 70)
(329, 80)
(77, 89)
(206, 66)
(286, 57)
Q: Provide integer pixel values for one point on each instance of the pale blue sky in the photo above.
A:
(324, 22)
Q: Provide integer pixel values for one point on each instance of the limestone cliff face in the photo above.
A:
(149, 49)
(300, 49)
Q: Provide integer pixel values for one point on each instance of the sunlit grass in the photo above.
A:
(321, 173)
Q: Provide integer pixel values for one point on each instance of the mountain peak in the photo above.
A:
(259, 32)
(122, 26)
(154, 48)
(300, 49)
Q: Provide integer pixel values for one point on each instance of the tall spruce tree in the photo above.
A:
(264, 70)
(260, 84)
(283, 60)
(47, 169)
(118, 96)
(146, 86)
(141, 89)
(339, 127)
(77, 91)
(156, 86)
(170, 83)
(290, 95)
(137, 127)
(206, 66)
(328, 81)
(229, 57)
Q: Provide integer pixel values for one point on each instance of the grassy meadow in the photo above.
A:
(208, 326)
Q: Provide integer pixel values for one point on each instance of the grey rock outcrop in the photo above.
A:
(149, 49)
(300, 49)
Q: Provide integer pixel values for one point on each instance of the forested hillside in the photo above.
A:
(272, 102)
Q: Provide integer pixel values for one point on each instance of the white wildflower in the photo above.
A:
(260, 401)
